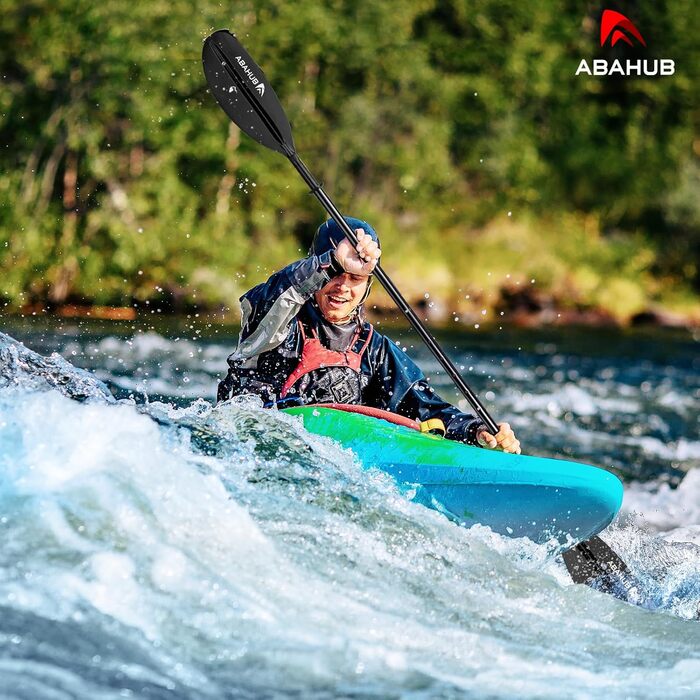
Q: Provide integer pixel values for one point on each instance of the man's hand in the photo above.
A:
(503, 440)
(361, 261)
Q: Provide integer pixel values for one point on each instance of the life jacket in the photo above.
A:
(341, 380)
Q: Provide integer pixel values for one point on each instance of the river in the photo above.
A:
(157, 546)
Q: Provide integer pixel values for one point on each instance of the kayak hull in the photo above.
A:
(515, 495)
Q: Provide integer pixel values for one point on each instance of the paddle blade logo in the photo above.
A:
(611, 25)
(259, 85)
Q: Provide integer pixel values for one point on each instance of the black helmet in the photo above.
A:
(329, 234)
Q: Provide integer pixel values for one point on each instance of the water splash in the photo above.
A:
(204, 551)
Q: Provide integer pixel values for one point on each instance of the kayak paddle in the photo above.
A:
(244, 93)
(595, 564)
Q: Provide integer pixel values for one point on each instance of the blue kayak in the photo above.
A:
(515, 495)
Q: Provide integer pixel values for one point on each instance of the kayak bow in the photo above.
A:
(515, 495)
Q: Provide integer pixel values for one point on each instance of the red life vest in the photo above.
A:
(316, 356)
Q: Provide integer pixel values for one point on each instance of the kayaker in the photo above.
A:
(304, 340)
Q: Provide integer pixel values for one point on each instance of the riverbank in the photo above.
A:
(520, 310)
(527, 271)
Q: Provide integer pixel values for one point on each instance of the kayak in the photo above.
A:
(515, 495)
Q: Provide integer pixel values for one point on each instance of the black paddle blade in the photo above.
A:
(243, 92)
(595, 564)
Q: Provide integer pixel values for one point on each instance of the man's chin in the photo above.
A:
(336, 316)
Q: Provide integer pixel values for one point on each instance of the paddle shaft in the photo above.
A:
(580, 552)
(593, 571)
(396, 296)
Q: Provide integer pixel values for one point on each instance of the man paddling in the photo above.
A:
(304, 340)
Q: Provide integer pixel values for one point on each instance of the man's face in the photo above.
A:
(341, 296)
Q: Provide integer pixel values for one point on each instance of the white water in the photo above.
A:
(225, 552)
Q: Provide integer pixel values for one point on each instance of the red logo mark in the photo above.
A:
(614, 22)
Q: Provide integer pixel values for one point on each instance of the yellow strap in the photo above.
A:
(432, 425)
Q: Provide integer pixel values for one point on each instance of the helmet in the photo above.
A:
(329, 234)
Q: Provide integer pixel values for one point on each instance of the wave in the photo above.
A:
(222, 551)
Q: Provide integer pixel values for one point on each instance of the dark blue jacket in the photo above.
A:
(270, 346)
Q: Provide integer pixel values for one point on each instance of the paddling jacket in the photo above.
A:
(280, 314)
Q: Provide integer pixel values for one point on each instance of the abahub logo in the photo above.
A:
(612, 23)
(615, 28)
(259, 85)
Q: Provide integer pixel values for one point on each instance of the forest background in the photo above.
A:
(499, 181)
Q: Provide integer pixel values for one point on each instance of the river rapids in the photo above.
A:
(154, 545)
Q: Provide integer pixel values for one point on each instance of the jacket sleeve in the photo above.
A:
(268, 310)
(401, 387)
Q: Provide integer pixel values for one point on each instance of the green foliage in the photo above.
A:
(121, 180)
